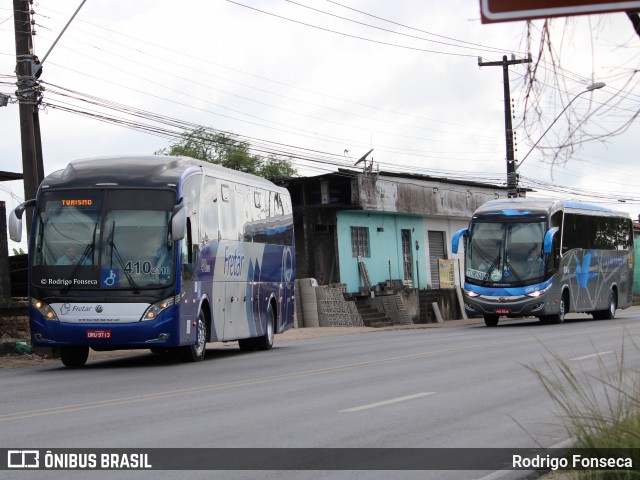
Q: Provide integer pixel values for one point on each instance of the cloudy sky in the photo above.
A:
(325, 81)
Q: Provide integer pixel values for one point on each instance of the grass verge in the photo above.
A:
(600, 411)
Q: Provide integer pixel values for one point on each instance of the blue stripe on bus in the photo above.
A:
(506, 291)
(509, 212)
(513, 213)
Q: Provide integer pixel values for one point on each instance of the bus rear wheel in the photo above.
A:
(74, 357)
(611, 311)
(195, 352)
(265, 342)
(491, 320)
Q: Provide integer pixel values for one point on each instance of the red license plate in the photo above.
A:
(503, 311)
(98, 333)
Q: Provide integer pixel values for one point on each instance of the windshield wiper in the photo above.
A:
(511, 269)
(114, 249)
(492, 266)
(85, 255)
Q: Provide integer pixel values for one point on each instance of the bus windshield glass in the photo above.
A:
(104, 239)
(506, 253)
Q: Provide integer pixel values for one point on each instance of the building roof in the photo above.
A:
(345, 172)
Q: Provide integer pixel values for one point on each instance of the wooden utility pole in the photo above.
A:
(28, 94)
(512, 178)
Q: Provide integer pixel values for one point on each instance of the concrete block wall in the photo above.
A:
(14, 321)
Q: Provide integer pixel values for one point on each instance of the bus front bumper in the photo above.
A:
(512, 306)
(161, 332)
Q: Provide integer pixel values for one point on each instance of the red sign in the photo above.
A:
(98, 334)
(509, 10)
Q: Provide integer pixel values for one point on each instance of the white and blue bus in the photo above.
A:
(163, 253)
(545, 258)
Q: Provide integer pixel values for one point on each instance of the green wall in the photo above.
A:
(636, 266)
(385, 245)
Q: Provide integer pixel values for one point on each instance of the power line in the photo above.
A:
(160, 133)
(380, 42)
(477, 47)
(324, 106)
(316, 159)
(471, 44)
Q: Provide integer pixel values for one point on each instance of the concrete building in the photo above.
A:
(383, 231)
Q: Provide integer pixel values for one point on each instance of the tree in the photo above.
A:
(548, 83)
(229, 151)
(277, 167)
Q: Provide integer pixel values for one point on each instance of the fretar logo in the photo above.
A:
(232, 262)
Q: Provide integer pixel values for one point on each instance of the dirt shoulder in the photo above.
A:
(17, 361)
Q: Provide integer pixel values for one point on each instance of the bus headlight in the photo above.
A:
(45, 309)
(157, 308)
(470, 294)
(538, 293)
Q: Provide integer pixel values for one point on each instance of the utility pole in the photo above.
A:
(29, 95)
(512, 179)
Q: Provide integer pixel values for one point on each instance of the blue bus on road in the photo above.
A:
(545, 258)
(163, 253)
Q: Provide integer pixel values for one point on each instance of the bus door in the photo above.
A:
(190, 288)
(287, 283)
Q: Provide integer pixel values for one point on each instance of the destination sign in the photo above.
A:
(81, 202)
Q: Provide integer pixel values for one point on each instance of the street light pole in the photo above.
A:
(590, 88)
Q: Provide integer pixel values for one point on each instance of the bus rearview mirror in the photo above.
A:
(15, 227)
(15, 220)
(178, 222)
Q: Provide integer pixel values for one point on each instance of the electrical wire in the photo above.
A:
(380, 42)
(476, 46)
(170, 134)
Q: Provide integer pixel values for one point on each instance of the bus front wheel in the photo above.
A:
(491, 320)
(74, 357)
(563, 308)
(195, 352)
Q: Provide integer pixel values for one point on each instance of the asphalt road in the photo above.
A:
(462, 387)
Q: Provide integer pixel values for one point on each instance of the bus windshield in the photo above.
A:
(505, 253)
(114, 239)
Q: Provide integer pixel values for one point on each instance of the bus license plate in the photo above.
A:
(503, 311)
(98, 333)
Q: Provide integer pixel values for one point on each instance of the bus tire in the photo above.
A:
(74, 357)
(610, 313)
(491, 320)
(196, 352)
(563, 307)
(265, 342)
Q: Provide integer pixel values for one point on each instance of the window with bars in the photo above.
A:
(360, 241)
